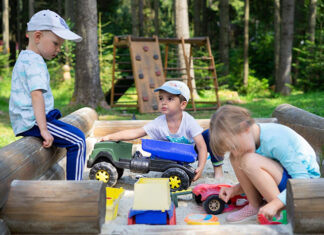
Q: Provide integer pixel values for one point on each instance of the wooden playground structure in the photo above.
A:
(137, 63)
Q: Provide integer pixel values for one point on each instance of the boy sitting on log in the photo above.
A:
(31, 105)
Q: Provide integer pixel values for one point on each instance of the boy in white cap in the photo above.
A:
(174, 125)
(31, 105)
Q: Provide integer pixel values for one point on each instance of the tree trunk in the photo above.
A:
(31, 9)
(224, 35)
(140, 18)
(312, 20)
(286, 41)
(135, 20)
(87, 89)
(196, 18)
(182, 31)
(156, 17)
(246, 42)
(5, 26)
(276, 37)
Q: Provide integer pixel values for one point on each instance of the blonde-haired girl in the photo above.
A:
(264, 156)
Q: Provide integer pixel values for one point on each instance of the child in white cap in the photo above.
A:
(31, 105)
(174, 125)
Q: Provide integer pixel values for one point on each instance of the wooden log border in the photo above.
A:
(26, 159)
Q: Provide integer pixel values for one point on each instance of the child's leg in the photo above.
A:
(73, 139)
(217, 161)
(263, 173)
(69, 137)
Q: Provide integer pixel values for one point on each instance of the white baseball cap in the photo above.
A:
(49, 20)
(176, 88)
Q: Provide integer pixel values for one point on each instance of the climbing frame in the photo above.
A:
(138, 70)
(147, 72)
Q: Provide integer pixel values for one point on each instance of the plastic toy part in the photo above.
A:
(113, 196)
(166, 217)
(152, 194)
(208, 195)
(174, 195)
(281, 220)
(170, 151)
(201, 219)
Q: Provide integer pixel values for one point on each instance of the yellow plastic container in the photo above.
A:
(152, 194)
(113, 196)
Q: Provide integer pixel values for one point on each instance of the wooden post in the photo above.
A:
(26, 159)
(305, 205)
(308, 125)
(55, 207)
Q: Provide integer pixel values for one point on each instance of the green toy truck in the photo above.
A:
(109, 159)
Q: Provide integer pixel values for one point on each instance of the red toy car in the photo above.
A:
(208, 195)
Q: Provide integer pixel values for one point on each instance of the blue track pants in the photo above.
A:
(65, 136)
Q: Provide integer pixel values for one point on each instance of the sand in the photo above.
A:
(186, 203)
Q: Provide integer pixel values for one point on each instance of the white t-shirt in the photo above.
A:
(189, 128)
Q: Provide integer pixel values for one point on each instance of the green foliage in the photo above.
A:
(4, 70)
(255, 87)
(310, 66)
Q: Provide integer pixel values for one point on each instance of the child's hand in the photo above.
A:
(271, 209)
(198, 172)
(48, 139)
(105, 138)
(226, 193)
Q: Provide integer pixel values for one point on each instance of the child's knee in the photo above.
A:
(248, 162)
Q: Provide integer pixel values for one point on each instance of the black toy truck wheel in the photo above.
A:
(214, 205)
(178, 178)
(104, 171)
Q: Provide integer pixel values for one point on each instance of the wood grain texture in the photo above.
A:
(308, 125)
(55, 207)
(102, 128)
(305, 205)
(26, 159)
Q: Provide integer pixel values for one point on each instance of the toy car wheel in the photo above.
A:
(214, 205)
(120, 172)
(104, 171)
(178, 178)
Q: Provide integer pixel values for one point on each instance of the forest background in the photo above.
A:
(266, 52)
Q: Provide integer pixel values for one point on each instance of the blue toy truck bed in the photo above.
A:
(170, 151)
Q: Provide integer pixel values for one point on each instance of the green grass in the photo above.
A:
(260, 107)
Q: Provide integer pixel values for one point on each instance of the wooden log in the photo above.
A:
(26, 159)
(102, 128)
(55, 207)
(305, 205)
(308, 125)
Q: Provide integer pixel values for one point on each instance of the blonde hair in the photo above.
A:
(226, 122)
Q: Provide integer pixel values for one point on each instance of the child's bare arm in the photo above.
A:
(202, 155)
(125, 135)
(39, 111)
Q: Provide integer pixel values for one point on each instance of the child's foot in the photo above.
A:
(247, 212)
